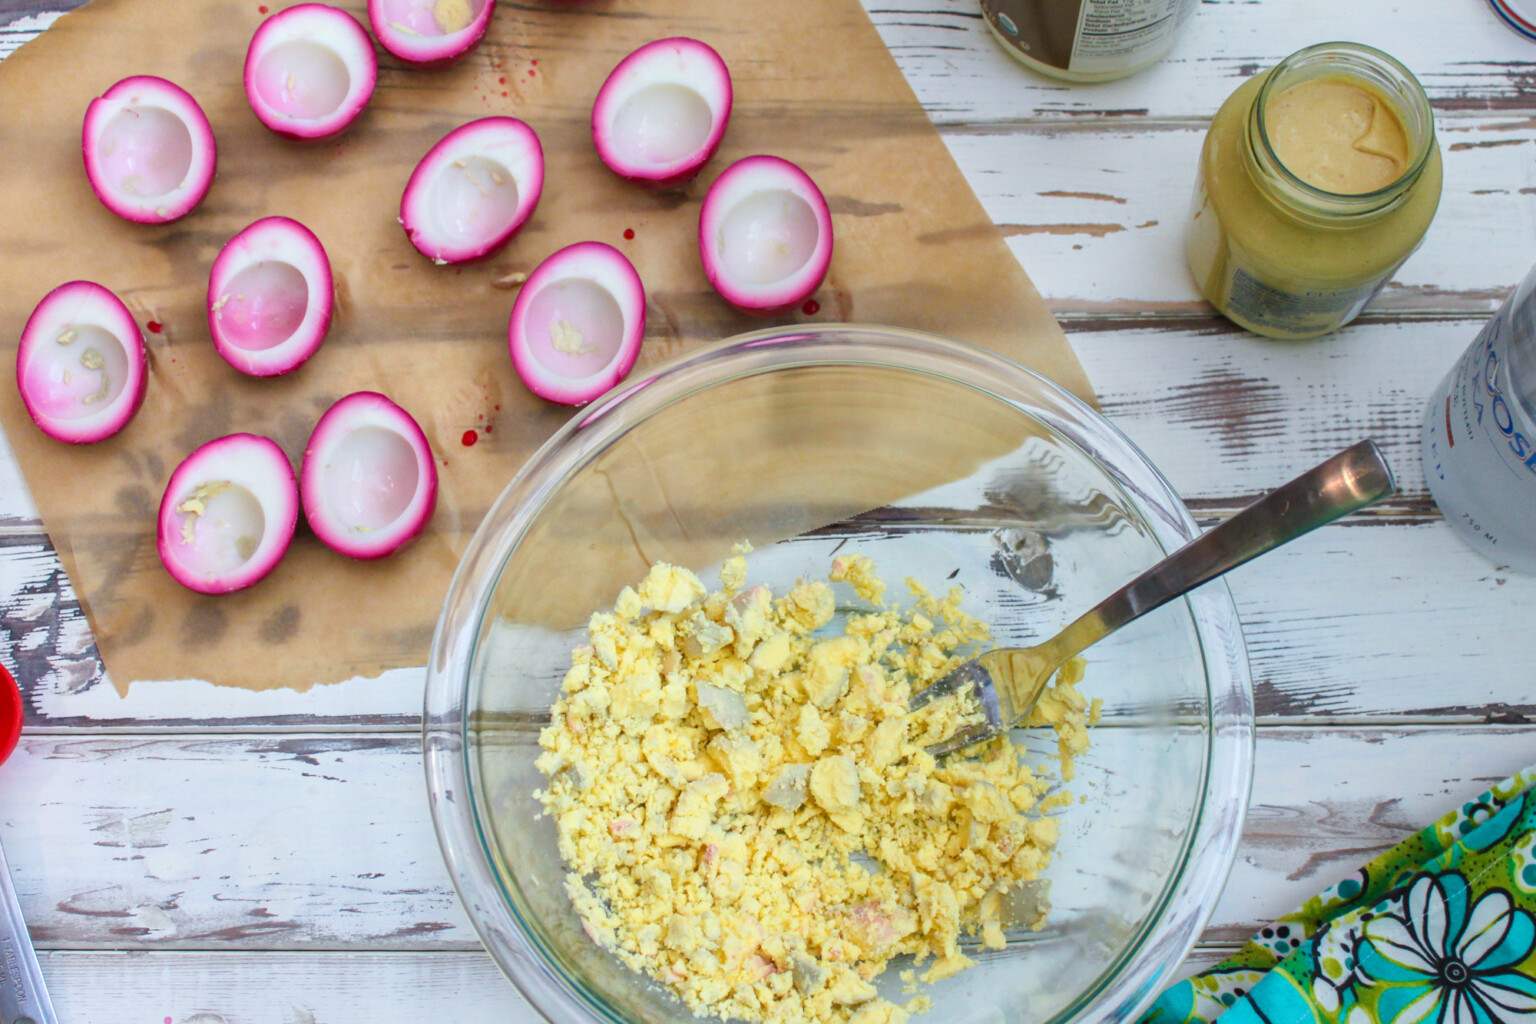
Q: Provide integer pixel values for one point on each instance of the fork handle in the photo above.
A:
(23, 996)
(1350, 480)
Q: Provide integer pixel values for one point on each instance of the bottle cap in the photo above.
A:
(1519, 15)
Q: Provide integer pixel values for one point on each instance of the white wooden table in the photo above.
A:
(193, 854)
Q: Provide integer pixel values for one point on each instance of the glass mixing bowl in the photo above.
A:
(945, 463)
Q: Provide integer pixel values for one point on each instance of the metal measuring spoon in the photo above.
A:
(23, 997)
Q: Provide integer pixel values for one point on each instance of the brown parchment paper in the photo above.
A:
(814, 83)
(759, 458)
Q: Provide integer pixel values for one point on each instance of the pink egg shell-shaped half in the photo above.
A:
(661, 113)
(369, 482)
(577, 324)
(270, 297)
(149, 152)
(309, 72)
(228, 514)
(430, 33)
(80, 365)
(473, 190)
(765, 235)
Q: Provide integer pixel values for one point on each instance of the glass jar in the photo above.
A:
(1286, 258)
(1087, 40)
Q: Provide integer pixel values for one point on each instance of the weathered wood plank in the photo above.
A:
(22, 20)
(196, 987)
(100, 987)
(1399, 619)
(961, 74)
(213, 842)
(1388, 618)
(1225, 414)
(324, 841)
(1096, 213)
(1095, 210)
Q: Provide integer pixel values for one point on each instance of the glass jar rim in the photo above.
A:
(1359, 61)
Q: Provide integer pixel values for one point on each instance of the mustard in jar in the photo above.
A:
(1318, 179)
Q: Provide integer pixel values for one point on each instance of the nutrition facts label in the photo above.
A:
(1113, 33)
(1088, 37)
(1255, 304)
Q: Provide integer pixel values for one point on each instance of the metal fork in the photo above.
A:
(1007, 682)
(23, 997)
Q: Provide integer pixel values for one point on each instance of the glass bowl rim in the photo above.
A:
(1124, 988)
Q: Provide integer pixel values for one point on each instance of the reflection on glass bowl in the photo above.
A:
(945, 463)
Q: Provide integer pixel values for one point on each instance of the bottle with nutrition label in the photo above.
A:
(1087, 40)
(1318, 178)
(1479, 436)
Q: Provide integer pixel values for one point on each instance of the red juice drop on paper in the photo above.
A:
(469, 438)
(629, 233)
(155, 326)
(811, 307)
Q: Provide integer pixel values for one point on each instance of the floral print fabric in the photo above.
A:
(1437, 930)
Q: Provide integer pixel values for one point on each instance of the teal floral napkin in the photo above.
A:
(1437, 930)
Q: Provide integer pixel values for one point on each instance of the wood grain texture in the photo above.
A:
(324, 841)
(1112, 241)
(960, 74)
(1385, 620)
(1467, 60)
(277, 987)
(1362, 621)
(1379, 621)
(433, 337)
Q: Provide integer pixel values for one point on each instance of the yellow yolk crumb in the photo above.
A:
(452, 15)
(747, 811)
(564, 337)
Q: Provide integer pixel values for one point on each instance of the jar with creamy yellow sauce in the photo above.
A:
(1318, 179)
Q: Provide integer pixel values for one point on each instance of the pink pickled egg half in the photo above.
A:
(473, 190)
(578, 322)
(765, 235)
(430, 33)
(270, 297)
(228, 514)
(149, 151)
(661, 114)
(369, 483)
(309, 72)
(80, 365)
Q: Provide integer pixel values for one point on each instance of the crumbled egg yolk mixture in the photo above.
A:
(747, 809)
